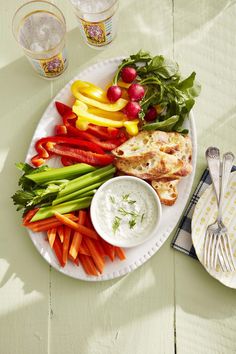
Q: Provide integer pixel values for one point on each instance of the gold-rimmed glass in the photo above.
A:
(98, 21)
(39, 27)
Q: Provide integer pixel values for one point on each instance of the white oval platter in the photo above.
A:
(101, 74)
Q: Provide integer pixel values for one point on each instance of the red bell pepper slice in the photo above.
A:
(37, 161)
(107, 145)
(69, 119)
(115, 136)
(62, 108)
(60, 129)
(44, 153)
(103, 132)
(66, 161)
(79, 155)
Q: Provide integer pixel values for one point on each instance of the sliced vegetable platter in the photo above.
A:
(101, 74)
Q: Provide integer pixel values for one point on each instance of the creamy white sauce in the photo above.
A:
(126, 210)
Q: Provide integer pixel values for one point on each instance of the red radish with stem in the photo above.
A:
(136, 92)
(114, 93)
(132, 110)
(128, 74)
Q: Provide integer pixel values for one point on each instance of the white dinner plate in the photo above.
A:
(205, 214)
(101, 74)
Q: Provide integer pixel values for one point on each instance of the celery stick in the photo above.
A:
(46, 212)
(67, 172)
(88, 194)
(86, 180)
(78, 193)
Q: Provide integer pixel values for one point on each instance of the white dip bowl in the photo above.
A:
(126, 211)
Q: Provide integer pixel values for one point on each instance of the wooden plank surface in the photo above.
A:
(42, 311)
(24, 275)
(137, 311)
(204, 41)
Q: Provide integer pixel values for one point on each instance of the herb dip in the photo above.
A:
(125, 211)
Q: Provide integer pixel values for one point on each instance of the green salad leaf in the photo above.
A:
(165, 88)
(31, 194)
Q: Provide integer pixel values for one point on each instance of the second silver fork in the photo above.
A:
(217, 246)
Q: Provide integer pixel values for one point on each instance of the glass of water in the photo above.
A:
(98, 20)
(39, 28)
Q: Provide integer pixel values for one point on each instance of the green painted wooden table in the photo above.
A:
(170, 304)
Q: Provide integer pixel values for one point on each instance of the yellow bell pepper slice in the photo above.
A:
(110, 107)
(120, 83)
(89, 90)
(100, 112)
(106, 114)
(123, 84)
(80, 104)
(131, 127)
(84, 117)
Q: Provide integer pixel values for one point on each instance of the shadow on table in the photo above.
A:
(107, 310)
(19, 81)
(191, 16)
(24, 97)
(199, 294)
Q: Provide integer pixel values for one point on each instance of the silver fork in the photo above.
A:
(217, 243)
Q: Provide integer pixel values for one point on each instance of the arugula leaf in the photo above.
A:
(163, 67)
(187, 83)
(164, 87)
(166, 125)
(140, 57)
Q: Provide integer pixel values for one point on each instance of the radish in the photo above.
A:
(151, 114)
(128, 74)
(132, 110)
(136, 92)
(114, 93)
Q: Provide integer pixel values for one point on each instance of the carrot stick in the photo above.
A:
(82, 217)
(77, 238)
(120, 253)
(100, 248)
(75, 244)
(58, 251)
(75, 261)
(51, 236)
(84, 249)
(88, 222)
(28, 216)
(97, 258)
(66, 244)
(88, 264)
(60, 231)
(44, 225)
(85, 231)
(109, 249)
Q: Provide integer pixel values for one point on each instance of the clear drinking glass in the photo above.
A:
(39, 28)
(98, 20)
